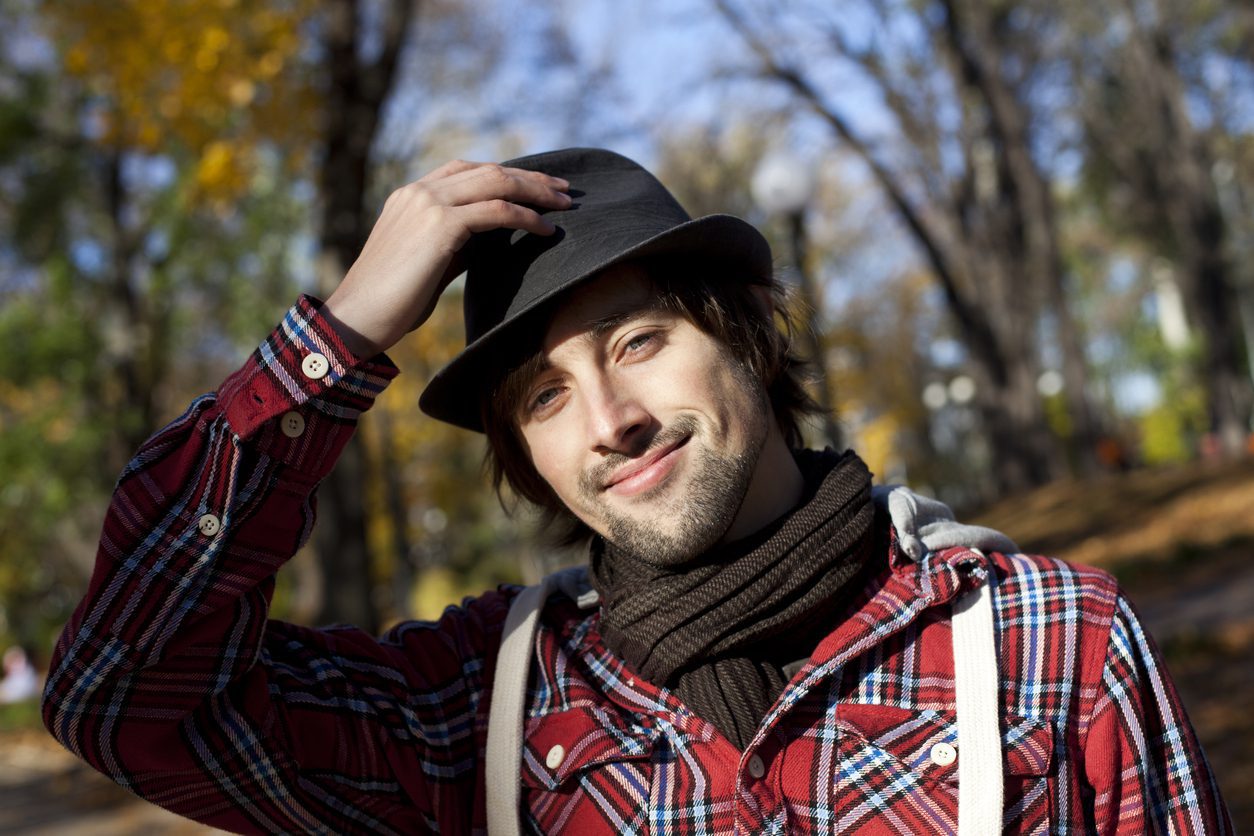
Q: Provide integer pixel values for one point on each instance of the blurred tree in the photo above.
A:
(961, 174)
(307, 79)
(157, 173)
(1156, 126)
(213, 79)
(128, 285)
(709, 167)
(443, 522)
(357, 83)
(881, 337)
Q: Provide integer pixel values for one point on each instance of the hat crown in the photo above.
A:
(620, 212)
(616, 205)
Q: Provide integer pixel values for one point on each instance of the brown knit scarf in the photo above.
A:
(720, 629)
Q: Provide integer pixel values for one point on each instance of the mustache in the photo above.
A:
(592, 479)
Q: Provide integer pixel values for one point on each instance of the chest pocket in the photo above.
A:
(586, 770)
(904, 764)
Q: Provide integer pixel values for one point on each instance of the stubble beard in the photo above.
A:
(689, 523)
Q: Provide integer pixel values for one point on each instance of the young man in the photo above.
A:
(758, 644)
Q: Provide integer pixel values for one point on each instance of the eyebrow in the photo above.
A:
(595, 330)
(536, 365)
(600, 327)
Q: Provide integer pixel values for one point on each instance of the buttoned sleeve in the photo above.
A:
(1141, 756)
(170, 678)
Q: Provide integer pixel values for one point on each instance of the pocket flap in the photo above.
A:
(560, 745)
(910, 736)
(1028, 744)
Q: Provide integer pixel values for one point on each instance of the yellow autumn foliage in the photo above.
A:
(210, 78)
(418, 438)
(29, 401)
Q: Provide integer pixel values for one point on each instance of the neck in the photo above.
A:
(776, 488)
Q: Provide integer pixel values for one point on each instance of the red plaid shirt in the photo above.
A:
(170, 678)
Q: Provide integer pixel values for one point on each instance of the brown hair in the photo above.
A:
(725, 308)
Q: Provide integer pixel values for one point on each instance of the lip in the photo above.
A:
(642, 475)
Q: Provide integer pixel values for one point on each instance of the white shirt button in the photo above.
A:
(943, 754)
(209, 525)
(292, 424)
(315, 366)
(555, 756)
(756, 767)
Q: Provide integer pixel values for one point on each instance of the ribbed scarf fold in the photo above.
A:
(720, 629)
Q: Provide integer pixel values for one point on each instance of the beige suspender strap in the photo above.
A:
(980, 784)
(503, 771)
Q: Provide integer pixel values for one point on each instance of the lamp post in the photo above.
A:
(783, 185)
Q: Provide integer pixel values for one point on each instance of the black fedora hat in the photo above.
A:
(620, 212)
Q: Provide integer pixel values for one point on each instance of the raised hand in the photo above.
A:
(413, 250)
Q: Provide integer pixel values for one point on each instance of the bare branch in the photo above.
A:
(970, 318)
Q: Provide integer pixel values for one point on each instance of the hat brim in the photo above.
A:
(455, 392)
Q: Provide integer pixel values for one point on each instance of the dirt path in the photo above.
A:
(46, 790)
(1201, 613)
(1190, 601)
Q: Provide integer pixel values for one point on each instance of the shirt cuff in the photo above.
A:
(299, 395)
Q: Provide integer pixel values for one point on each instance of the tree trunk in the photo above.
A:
(127, 325)
(978, 40)
(1155, 150)
(979, 236)
(404, 555)
(813, 336)
(1215, 306)
(354, 99)
(1198, 228)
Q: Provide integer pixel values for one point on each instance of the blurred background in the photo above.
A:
(1021, 233)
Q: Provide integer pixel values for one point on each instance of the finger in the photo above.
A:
(559, 183)
(502, 214)
(477, 169)
(461, 170)
(495, 182)
(448, 169)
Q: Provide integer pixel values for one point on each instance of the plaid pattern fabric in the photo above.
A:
(170, 679)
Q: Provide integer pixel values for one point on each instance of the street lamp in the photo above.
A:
(783, 185)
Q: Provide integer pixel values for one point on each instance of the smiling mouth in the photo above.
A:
(648, 472)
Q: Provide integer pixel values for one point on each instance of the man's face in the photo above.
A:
(646, 427)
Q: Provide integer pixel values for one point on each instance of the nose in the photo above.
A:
(617, 418)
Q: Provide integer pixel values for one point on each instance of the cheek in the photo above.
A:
(734, 393)
(552, 459)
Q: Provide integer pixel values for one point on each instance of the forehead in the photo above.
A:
(597, 304)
